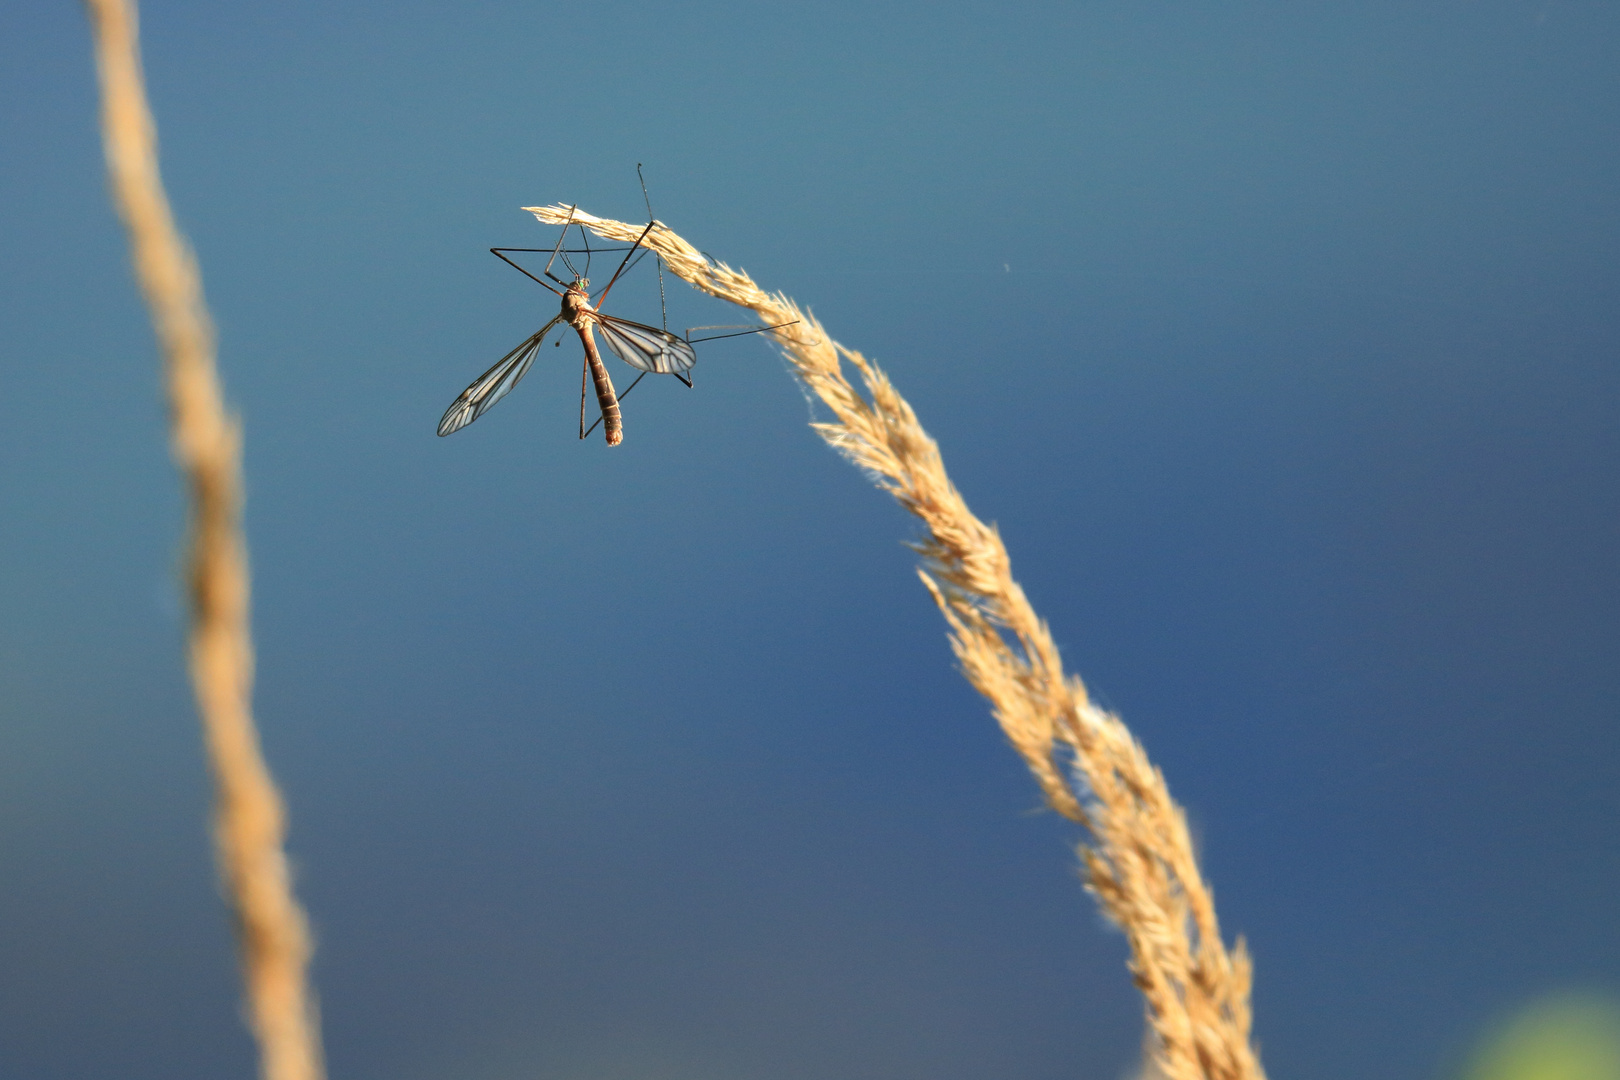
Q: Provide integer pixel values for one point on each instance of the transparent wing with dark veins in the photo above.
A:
(646, 347)
(493, 384)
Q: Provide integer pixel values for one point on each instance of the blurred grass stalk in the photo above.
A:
(1140, 863)
(249, 822)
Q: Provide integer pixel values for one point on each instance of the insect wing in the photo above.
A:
(646, 347)
(493, 384)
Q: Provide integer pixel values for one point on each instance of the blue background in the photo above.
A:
(1280, 339)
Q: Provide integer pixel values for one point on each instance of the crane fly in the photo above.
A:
(647, 348)
(651, 350)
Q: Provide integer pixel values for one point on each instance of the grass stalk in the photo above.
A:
(1139, 862)
(249, 818)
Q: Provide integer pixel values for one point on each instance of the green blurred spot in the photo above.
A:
(1564, 1038)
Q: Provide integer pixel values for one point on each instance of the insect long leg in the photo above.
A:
(644, 198)
(500, 253)
(584, 238)
(497, 253)
(560, 239)
(601, 296)
(732, 326)
(663, 311)
(572, 269)
(640, 255)
(584, 380)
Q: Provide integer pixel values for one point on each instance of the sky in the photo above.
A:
(1280, 342)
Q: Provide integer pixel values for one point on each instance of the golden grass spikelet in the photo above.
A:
(1140, 864)
(249, 819)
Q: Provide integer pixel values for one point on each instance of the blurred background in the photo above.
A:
(1280, 340)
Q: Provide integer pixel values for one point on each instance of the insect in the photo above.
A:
(645, 347)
